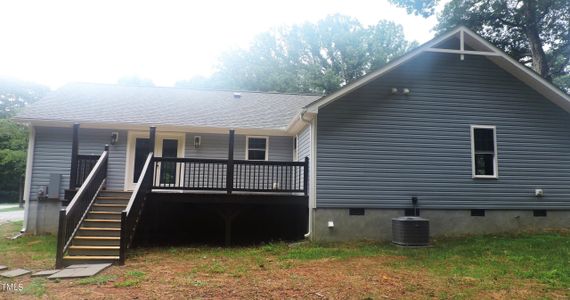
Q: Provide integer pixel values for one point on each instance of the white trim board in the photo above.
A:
(28, 178)
(130, 155)
(257, 137)
(495, 154)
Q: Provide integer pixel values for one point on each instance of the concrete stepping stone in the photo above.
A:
(79, 271)
(15, 273)
(2, 268)
(45, 273)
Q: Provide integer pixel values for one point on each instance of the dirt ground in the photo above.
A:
(154, 276)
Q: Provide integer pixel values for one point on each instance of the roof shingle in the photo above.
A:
(102, 103)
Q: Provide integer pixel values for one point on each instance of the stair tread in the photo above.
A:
(95, 247)
(98, 257)
(102, 220)
(99, 228)
(83, 237)
(105, 212)
(110, 204)
(112, 198)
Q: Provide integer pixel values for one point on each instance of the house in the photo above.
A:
(454, 131)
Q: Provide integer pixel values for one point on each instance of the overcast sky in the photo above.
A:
(55, 42)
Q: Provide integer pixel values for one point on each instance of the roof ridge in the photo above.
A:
(192, 89)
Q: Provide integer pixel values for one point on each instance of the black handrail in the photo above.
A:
(246, 175)
(132, 213)
(70, 218)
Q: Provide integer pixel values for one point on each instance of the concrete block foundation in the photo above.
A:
(44, 216)
(376, 224)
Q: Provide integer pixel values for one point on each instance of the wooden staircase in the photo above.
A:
(98, 237)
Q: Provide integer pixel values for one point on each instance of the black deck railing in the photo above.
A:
(248, 175)
(85, 164)
(131, 215)
(70, 218)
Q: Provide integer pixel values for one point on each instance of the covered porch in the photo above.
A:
(173, 196)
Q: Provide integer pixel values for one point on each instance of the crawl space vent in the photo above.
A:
(410, 231)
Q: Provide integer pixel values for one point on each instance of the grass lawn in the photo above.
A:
(530, 265)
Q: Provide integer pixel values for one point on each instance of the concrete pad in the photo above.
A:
(45, 273)
(15, 273)
(3, 267)
(88, 266)
(79, 271)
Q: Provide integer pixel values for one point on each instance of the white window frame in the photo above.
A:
(257, 137)
(495, 156)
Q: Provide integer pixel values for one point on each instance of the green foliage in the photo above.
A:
(97, 280)
(35, 288)
(310, 58)
(13, 143)
(533, 32)
(14, 95)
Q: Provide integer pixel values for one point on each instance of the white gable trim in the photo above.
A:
(483, 47)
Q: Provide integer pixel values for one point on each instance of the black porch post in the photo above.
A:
(74, 153)
(151, 138)
(230, 170)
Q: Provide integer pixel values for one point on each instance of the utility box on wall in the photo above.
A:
(53, 187)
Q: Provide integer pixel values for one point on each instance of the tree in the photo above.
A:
(16, 94)
(135, 81)
(13, 144)
(534, 32)
(312, 57)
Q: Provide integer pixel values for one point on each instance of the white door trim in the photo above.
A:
(160, 136)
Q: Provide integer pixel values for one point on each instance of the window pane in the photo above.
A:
(168, 169)
(256, 143)
(169, 148)
(484, 140)
(141, 152)
(256, 154)
(484, 164)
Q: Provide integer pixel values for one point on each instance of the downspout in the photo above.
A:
(28, 179)
(308, 234)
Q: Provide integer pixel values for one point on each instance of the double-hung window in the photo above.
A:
(484, 151)
(256, 148)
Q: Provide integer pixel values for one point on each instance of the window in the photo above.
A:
(256, 148)
(484, 151)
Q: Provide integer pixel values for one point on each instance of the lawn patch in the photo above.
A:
(97, 280)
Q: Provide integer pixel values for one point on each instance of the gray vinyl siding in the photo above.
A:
(304, 143)
(52, 155)
(215, 146)
(377, 150)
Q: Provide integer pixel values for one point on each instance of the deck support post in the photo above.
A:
(74, 153)
(230, 169)
(151, 138)
(229, 214)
